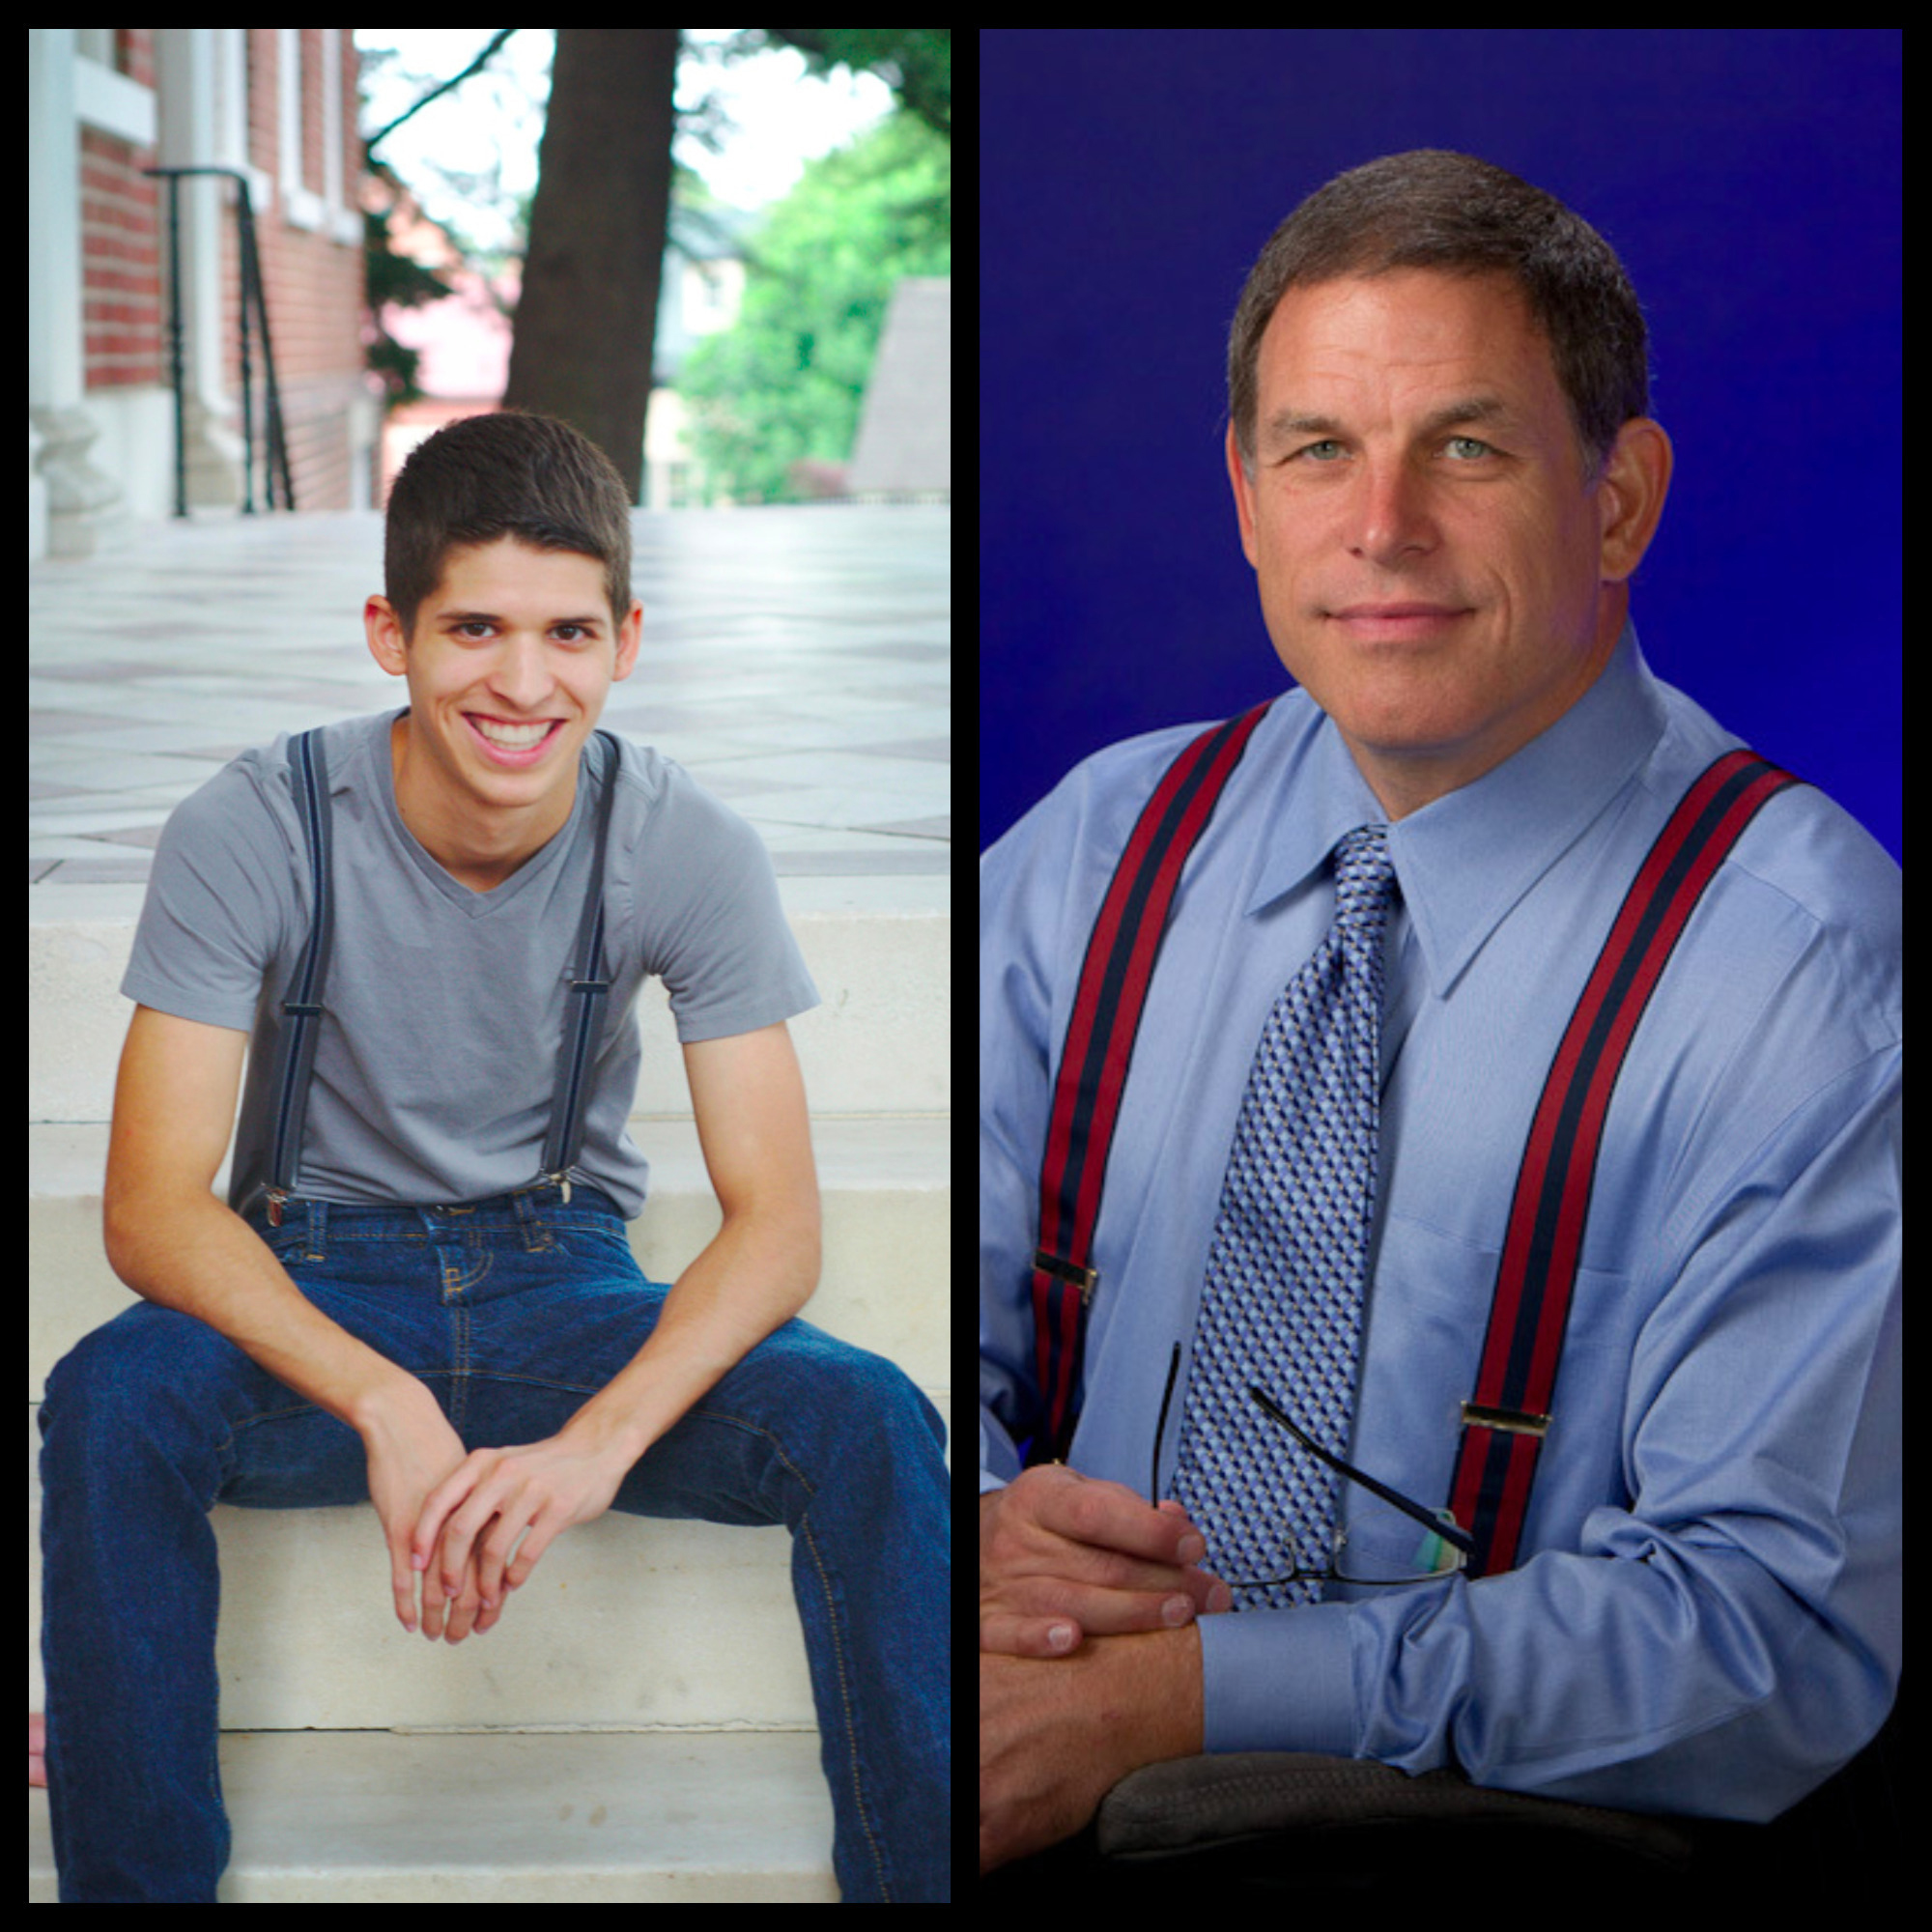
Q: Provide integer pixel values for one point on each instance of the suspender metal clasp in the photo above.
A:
(1511, 1421)
(1084, 1279)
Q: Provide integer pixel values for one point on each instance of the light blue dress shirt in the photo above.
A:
(1705, 1616)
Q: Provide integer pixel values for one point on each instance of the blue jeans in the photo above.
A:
(514, 1313)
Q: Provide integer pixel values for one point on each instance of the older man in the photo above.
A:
(1507, 1029)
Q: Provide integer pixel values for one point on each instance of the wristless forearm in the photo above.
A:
(752, 1277)
(197, 1256)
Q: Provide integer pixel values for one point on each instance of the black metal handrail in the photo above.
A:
(255, 307)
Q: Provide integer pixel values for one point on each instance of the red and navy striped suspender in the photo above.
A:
(1094, 1064)
(1505, 1422)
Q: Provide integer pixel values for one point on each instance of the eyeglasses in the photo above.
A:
(1444, 1550)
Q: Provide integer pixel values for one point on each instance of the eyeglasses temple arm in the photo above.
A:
(1160, 1427)
(1438, 1520)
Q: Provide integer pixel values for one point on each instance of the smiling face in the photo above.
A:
(1436, 567)
(513, 639)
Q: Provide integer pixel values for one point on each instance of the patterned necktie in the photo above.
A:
(1282, 1307)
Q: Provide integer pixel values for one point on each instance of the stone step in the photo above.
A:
(344, 1817)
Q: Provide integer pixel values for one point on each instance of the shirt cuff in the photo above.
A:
(1279, 1680)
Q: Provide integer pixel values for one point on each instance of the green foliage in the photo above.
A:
(784, 385)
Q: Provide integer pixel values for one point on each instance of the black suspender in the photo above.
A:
(303, 1009)
(1505, 1421)
(583, 1022)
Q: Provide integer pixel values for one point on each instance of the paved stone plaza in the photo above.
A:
(796, 661)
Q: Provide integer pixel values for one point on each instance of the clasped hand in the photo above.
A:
(1087, 1571)
(455, 1518)
(1063, 1557)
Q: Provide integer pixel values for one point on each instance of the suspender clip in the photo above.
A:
(277, 1197)
(1511, 1421)
(1086, 1280)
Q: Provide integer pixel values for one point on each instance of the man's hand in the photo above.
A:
(1056, 1737)
(1061, 1553)
(482, 1507)
(412, 1448)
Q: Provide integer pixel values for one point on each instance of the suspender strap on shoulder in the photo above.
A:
(1094, 1064)
(302, 1006)
(1505, 1422)
(584, 1016)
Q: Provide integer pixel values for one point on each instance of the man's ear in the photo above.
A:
(1241, 480)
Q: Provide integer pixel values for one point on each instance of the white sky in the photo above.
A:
(781, 118)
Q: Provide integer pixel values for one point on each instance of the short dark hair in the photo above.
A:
(508, 475)
(1433, 209)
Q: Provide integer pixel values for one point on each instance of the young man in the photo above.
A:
(423, 1243)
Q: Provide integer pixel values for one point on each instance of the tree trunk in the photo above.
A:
(585, 322)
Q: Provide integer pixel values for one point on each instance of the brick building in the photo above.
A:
(276, 105)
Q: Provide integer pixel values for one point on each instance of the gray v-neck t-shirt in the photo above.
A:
(444, 1008)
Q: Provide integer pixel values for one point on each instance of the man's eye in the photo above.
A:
(577, 630)
(1324, 453)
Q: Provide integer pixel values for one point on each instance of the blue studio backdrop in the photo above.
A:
(1750, 180)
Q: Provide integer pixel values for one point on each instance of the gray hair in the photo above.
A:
(1433, 209)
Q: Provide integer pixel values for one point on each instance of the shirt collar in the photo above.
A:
(1463, 861)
